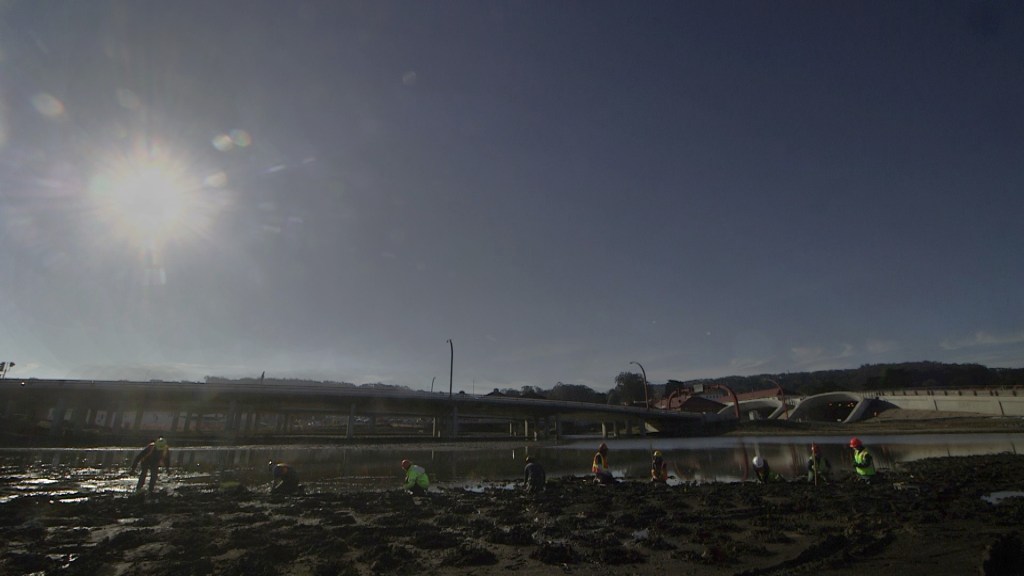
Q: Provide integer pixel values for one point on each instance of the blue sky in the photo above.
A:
(333, 190)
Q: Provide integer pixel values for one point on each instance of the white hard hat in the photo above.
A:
(758, 462)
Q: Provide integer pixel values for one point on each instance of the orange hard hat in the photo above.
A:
(406, 464)
(855, 443)
(602, 448)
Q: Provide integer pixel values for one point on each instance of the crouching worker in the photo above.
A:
(154, 455)
(764, 471)
(535, 476)
(599, 466)
(416, 479)
(286, 478)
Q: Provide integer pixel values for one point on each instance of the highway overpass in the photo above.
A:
(114, 411)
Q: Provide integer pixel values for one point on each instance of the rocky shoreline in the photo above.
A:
(928, 517)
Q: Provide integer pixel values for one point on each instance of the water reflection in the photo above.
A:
(722, 459)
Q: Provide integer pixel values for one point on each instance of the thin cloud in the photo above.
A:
(820, 358)
(983, 338)
(880, 346)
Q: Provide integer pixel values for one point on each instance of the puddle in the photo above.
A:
(997, 497)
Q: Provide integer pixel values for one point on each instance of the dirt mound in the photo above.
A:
(929, 517)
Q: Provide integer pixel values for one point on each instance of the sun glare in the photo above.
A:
(151, 198)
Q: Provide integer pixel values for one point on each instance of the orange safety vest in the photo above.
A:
(600, 463)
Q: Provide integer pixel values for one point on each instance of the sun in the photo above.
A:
(151, 198)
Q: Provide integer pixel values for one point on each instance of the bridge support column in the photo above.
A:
(351, 424)
(139, 414)
(526, 429)
(558, 427)
(231, 418)
(174, 421)
(454, 424)
(604, 430)
(114, 418)
(57, 424)
(79, 418)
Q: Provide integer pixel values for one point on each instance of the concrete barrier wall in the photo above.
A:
(992, 401)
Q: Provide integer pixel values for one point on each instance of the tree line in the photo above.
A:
(628, 387)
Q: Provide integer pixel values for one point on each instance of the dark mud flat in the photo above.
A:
(927, 518)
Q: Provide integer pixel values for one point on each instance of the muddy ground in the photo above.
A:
(928, 517)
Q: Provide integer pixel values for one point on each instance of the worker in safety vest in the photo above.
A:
(659, 468)
(600, 466)
(154, 455)
(863, 463)
(416, 479)
(819, 469)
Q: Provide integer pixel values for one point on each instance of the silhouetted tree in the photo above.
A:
(630, 388)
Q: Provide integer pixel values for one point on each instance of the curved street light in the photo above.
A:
(782, 395)
(647, 403)
(451, 367)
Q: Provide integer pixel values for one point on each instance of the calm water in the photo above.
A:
(64, 473)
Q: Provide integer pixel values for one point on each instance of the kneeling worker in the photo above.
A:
(534, 475)
(286, 478)
(416, 479)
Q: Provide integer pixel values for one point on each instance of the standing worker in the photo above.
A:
(659, 468)
(286, 478)
(863, 463)
(151, 457)
(535, 477)
(416, 479)
(819, 469)
(600, 466)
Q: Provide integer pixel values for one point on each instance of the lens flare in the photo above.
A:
(151, 198)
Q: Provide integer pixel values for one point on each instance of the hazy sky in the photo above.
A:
(331, 190)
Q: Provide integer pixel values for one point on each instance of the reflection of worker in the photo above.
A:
(659, 468)
(819, 469)
(286, 478)
(600, 466)
(151, 457)
(416, 479)
(761, 469)
(863, 463)
(535, 477)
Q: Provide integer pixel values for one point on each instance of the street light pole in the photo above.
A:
(451, 367)
(647, 403)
